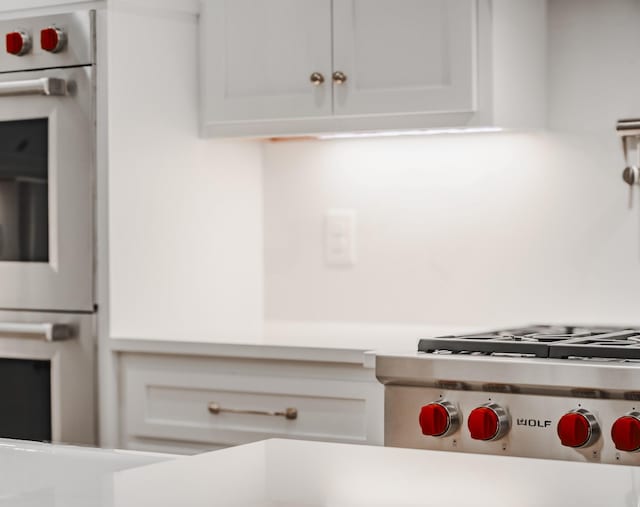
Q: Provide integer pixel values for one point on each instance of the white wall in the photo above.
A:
(185, 240)
(475, 229)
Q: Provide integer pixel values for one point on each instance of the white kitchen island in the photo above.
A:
(34, 474)
(312, 474)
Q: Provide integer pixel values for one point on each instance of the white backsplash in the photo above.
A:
(454, 230)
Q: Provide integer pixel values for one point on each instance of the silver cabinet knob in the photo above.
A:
(339, 77)
(316, 78)
(631, 175)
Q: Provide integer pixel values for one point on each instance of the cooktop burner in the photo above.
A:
(559, 342)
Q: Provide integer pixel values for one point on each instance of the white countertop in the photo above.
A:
(297, 473)
(355, 343)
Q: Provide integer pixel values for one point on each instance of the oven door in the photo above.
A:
(46, 190)
(47, 376)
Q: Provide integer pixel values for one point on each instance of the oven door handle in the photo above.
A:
(49, 331)
(49, 86)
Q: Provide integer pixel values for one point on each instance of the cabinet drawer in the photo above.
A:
(169, 398)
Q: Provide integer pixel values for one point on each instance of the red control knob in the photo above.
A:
(488, 422)
(625, 432)
(53, 39)
(18, 43)
(578, 428)
(439, 419)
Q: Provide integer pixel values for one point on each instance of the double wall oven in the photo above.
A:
(47, 175)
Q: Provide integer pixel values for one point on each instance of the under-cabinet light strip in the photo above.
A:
(397, 133)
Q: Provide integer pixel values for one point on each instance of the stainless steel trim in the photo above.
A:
(530, 375)
(288, 413)
(49, 86)
(49, 331)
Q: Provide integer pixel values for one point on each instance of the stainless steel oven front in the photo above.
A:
(47, 178)
(46, 167)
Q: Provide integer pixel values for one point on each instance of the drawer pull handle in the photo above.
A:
(288, 413)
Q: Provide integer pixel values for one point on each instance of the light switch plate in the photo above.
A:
(340, 237)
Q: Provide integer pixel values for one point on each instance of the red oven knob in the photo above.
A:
(578, 428)
(53, 39)
(18, 43)
(625, 432)
(439, 419)
(488, 422)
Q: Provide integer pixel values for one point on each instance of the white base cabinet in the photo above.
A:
(165, 402)
(304, 67)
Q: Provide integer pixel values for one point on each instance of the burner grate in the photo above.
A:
(619, 345)
(483, 344)
(559, 342)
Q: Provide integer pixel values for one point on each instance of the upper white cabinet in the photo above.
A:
(297, 67)
(404, 56)
(260, 56)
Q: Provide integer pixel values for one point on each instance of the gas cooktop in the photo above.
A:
(544, 391)
(546, 341)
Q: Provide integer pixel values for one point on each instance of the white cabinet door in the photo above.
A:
(259, 56)
(404, 56)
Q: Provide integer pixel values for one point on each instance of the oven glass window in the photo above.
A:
(24, 191)
(25, 395)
